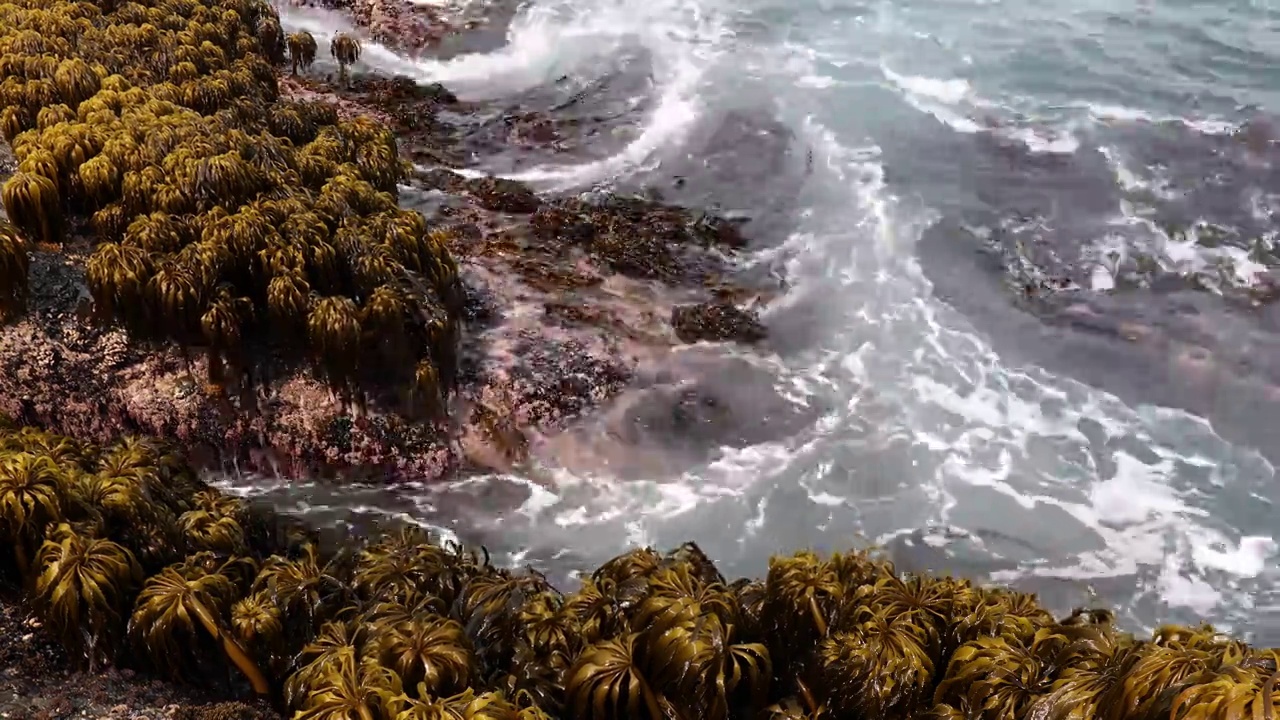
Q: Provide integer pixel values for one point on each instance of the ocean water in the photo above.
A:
(906, 166)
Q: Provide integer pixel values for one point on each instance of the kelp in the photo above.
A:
(402, 627)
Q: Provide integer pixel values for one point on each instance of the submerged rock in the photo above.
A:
(502, 195)
(717, 321)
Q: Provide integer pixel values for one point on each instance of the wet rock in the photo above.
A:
(76, 377)
(531, 129)
(408, 108)
(399, 94)
(224, 711)
(565, 300)
(639, 237)
(400, 24)
(717, 321)
(304, 89)
(501, 195)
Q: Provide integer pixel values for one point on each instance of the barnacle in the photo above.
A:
(302, 50)
(82, 590)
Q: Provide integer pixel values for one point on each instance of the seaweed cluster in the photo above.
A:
(222, 215)
(130, 559)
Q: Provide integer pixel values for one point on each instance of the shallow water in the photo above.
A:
(896, 159)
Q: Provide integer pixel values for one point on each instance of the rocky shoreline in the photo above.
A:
(567, 300)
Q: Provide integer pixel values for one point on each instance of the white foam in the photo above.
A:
(677, 110)
(936, 97)
(953, 102)
(1122, 114)
(949, 92)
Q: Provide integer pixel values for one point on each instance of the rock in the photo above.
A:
(531, 129)
(224, 711)
(639, 237)
(564, 300)
(717, 321)
(503, 195)
(402, 25)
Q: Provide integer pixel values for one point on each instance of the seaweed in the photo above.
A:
(222, 218)
(131, 560)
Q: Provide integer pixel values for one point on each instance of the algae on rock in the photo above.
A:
(224, 218)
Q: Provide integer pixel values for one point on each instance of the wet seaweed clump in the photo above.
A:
(131, 560)
(717, 321)
(223, 217)
(345, 48)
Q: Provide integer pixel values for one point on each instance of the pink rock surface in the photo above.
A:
(406, 26)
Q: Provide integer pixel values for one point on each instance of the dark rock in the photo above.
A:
(502, 195)
(224, 711)
(717, 321)
(639, 237)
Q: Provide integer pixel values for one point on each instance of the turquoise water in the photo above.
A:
(904, 164)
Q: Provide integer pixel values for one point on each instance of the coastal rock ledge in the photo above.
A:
(244, 261)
